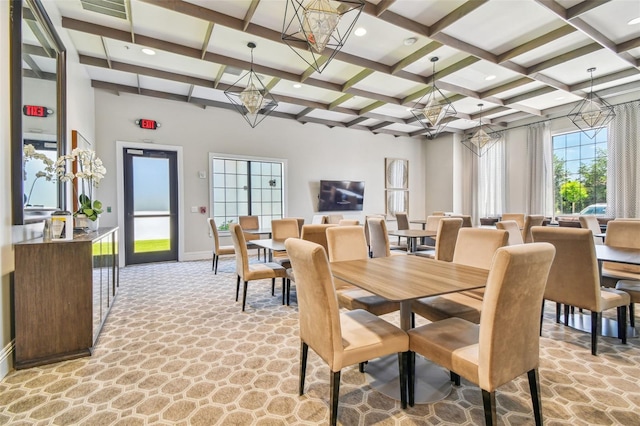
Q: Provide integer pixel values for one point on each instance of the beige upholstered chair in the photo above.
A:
(348, 243)
(316, 233)
(340, 339)
(574, 279)
(515, 234)
(437, 213)
(300, 224)
(250, 272)
(467, 222)
(506, 343)
(281, 229)
(518, 217)
(625, 234)
(445, 240)
(529, 222)
(474, 247)
(433, 222)
(251, 222)
(367, 236)
(348, 222)
(402, 222)
(591, 222)
(334, 218)
(379, 238)
(218, 250)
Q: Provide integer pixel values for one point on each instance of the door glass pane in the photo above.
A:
(151, 197)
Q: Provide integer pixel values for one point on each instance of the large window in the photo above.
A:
(241, 187)
(580, 173)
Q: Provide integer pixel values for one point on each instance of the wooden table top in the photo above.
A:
(270, 244)
(413, 233)
(259, 231)
(401, 278)
(618, 254)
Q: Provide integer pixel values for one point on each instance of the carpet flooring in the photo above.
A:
(177, 350)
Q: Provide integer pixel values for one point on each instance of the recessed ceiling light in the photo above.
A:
(409, 41)
(490, 77)
(297, 85)
(148, 51)
(634, 21)
(559, 98)
(360, 31)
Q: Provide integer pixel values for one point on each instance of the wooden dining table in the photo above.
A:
(403, 279)
(271, 245)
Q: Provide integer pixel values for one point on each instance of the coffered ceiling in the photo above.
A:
(520, 58)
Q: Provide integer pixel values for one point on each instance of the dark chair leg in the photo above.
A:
(632, 318)
(566, 314)
(288, 292)
(244, 295)
(213, 262)
(595, 328)
(284, 291)
(237, 288)
(541, 316)
(455, 378)
(361, 366)
(273, 286)
(489, 401)
(622, 324)
(304, 350)
(411, 374)
(558, 310)
(402, 368)
(335, 392)
(534, 388)
(413, 320)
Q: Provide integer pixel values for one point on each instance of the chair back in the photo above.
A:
(518, 217)
(316, 233)
(432, 223)
(366, 227)
(334, 218)
(346, 243)
(216, 237)
(281, 229)
(318, 311)
(300, 224)
(623, 233)
(529, 222)
(240, 246)
(379, 237)
(476, 246)
(403, 220)
(446, 239)
(466, 220)
(591, 222)
(511, 226)
(509, 340)
(249, 222)
(437, 213)
(348, 222)
(574, 278)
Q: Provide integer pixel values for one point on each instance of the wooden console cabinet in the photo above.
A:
(62, 294)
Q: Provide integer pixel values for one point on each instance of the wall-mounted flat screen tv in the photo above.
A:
(341, 195)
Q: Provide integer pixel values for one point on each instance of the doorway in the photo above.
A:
(150, 205)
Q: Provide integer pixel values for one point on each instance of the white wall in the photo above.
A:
(439, 172)
(313, 152)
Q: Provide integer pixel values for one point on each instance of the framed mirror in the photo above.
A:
(38, 106)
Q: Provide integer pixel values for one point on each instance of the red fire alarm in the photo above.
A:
(145, 123)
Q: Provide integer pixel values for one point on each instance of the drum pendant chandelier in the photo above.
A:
(250, 97)
(320, 27)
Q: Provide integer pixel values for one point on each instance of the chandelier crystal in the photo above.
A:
(250, 97)
(593, 113)
(481, 138)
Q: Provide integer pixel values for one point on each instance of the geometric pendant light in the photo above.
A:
(592, 113)
(433, 108)
(320, 27)
(250, 97)
(481, 138)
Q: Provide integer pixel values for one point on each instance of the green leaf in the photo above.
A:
(84, 199)
(97, 205)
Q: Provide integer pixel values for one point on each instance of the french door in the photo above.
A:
(150, 205)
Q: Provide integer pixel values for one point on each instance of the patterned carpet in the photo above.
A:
(177, 350)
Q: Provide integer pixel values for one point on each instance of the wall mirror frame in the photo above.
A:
(42, 57)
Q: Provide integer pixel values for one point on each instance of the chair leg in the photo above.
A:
(244, 295)
(566, 314)
(304, 350)
(237, 288)
(541, 316)
(632, 318)
(402, 368)
(213, 263)
(284, 291)
(217, 262)
(489, 402)
(273, 286)
(558, 310)
(411, 375)
(595, 327)
(335, 392)
(455, 378)
(622, 324)
(413, 320)
(361, 366)
(534, 388)
(288, 292)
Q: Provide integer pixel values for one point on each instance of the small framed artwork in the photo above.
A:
(396, 173)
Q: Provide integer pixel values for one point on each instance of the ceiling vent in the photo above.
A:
(115, 8)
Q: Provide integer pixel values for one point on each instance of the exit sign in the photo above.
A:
(145, 123)
(36, 111)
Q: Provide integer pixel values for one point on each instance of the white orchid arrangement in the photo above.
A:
(29, 152)
(90, 170)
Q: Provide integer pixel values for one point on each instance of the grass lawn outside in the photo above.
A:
(145, 246)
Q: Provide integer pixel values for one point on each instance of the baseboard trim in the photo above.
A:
(6, 359)
(197, 255)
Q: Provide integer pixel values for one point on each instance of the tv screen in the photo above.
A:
(341, 195)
